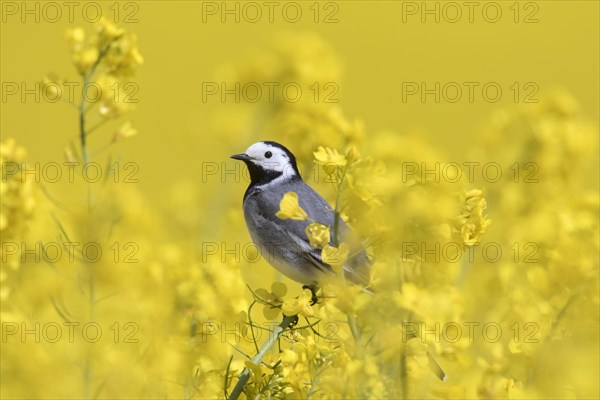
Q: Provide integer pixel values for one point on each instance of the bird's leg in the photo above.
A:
(313, 289)
(293, 323)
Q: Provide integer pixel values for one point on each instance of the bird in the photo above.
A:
(283, 242)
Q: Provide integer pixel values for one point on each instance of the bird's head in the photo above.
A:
(268, 160)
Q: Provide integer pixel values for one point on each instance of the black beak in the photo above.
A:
(243, 157)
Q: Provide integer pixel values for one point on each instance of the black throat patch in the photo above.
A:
(260, 176)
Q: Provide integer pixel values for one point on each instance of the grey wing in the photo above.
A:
(291, 235)
(358, 264)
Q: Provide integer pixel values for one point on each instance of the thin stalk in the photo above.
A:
(257, 359)
(351, 320)
(83, 105)
(87, 370)
(252, 324)
(336, 215)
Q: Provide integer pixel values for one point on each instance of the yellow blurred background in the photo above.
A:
(377, 53)
(392, 69)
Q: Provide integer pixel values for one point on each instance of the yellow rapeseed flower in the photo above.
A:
(290, 209)
(85, 58)
(472, 222)
(318, 234)
(75, 37)
(300, 305)
(109, 30)
(325, 155)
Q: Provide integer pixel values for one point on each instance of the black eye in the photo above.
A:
(268, 154)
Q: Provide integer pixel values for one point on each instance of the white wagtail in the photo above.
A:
(283, 242)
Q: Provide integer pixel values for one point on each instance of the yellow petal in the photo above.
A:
(279, 289)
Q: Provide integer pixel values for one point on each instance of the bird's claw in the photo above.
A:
(294, 321)
(313, 290)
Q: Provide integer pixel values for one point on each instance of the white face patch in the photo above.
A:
(270, 158)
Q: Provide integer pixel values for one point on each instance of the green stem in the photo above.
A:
(351, 320)
(336, 211)
(252, 324)
(88, 373)
(353, 327)
(257, 359)
(83, 105)
(403, 374)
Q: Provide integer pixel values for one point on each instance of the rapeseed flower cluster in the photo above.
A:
(17, 204)
(167, 310)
